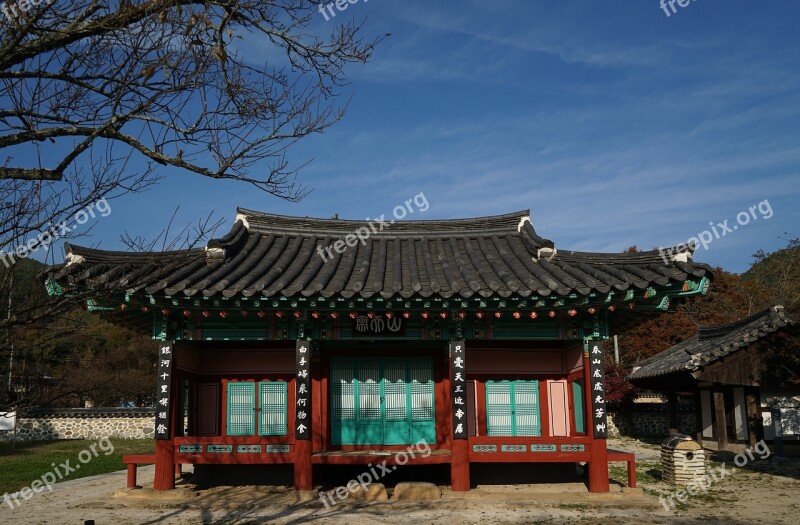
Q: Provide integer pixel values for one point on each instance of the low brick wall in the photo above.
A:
(83, 423)
(649, 420)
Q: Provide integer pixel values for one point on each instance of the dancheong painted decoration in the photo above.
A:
(475, 336)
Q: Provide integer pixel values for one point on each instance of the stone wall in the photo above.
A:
(649, 420)
(83, 423)
(643, 420)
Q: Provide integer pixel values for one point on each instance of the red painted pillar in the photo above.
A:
(459, 450)
(302, 465)
(165, 465)
(598, 453)
(132, 476)
(165, 448)
(303, 420)
(459, 465)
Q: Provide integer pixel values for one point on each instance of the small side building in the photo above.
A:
(727, 370)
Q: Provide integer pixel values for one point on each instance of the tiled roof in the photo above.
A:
(711, 344)
(269, 255)
(89, 413)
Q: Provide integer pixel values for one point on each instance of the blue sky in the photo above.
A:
(614, 123)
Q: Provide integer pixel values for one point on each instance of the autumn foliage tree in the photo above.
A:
(774, 278)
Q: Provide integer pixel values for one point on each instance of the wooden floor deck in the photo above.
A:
(391, 457)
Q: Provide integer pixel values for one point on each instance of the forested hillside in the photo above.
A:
(67, 356)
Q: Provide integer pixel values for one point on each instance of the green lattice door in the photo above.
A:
(382, 401)
(512, 408)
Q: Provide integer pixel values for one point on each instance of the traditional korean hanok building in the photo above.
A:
(726, 367)
(477, 336)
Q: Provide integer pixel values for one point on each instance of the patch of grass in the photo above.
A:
(712, 497)
(30, 460)
(645, 473)
(617, 473)
(573, 506)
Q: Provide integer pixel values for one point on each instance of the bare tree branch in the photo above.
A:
(173, 81)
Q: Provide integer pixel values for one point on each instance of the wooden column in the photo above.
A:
(165, 448)
(672, 409)
(598, 453)
(698, 416)
(777, 425)
(303, 479)
(318, 423)
(755, 427)
(721, 428)
(459, 452)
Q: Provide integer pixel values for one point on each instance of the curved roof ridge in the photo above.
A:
(74, 250)
(713, 332)
(269, 222)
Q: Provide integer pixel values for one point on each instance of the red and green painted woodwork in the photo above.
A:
(596, 420)
(303, 477)
(281, 318)
(459, 460)
(166, 419)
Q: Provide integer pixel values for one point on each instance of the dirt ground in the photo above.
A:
(763, 491)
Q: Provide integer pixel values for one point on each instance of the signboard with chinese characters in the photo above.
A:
(378, 324)
(597, 374)
(458, 383)
(165, 353)
(302, 415)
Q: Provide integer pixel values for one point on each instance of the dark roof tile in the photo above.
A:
(710, 344)
(275, 255)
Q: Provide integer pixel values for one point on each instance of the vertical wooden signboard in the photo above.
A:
(302, 419)
(163, 391)
(458, 384)
(598, 388)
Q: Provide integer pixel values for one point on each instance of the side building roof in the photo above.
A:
(710, 344)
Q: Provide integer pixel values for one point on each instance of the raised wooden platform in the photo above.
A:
(390, 457)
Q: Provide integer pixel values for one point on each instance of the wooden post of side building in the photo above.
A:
(755, 426)
(672, 409)
(721, 427)
(598, 453)
(698, 416)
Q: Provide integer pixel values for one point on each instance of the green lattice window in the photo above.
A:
(270, 398)
(272, 409)
(512, 408)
